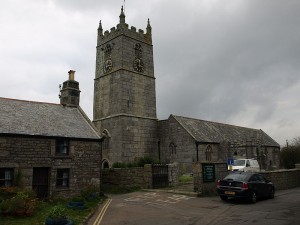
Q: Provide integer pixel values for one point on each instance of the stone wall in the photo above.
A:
(127, 177)
(283, 179)
(184, 150)
(24, 154)
(208, 188)
(135, 176)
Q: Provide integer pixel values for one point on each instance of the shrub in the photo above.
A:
(290, 156)
(57, 212)
(23, 203)
(89, 193)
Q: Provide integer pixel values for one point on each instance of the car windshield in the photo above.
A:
(238, 177)
(239, 162)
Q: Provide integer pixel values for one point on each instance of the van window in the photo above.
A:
(247, 163)
(239, 162)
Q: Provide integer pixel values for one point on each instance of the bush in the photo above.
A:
(289, 156)
(57, 212)
(90, 192)
(23, 203)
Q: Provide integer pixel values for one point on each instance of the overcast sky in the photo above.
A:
(229, 61)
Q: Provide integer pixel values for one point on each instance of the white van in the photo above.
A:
(246, 165)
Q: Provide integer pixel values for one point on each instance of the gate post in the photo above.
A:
(148, 175)
(197, 174)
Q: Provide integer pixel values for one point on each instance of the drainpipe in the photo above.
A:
(197, 151)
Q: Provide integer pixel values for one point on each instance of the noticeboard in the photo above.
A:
(208, 172)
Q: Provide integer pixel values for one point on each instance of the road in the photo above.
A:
(160, 208)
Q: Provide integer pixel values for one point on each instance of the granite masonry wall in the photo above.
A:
(135, 176)
(25, 154)
(282, 179)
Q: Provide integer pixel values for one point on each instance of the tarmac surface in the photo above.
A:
(181, 207)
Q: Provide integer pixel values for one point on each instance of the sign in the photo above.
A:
(208, 172)
(230, 162)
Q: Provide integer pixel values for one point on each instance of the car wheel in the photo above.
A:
(272, 194)
(252, 198)
(224, 198)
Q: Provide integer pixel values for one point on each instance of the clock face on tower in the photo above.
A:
(138, 65)
(107, 67)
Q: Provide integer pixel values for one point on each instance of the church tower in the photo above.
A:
(124, 93)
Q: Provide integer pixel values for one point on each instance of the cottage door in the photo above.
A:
(40, 181)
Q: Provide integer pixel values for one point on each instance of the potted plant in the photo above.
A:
(58, 216)
(76, 203)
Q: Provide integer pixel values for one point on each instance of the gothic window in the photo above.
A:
(208, 153)
(107, 50)
(62, 178)
(105, 164)
(62, 147)
(138, 64)
(6, 177)
(105, 143)
(108, 64)
(172, 148)
(138, 51)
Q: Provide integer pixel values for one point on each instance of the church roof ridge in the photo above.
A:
(208, 121)
(216, 132)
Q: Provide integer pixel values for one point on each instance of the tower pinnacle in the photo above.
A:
(100, 30)
(122, 16)
(149, 28)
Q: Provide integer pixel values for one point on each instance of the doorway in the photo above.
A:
(40, 181)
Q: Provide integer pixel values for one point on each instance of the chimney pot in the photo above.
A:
(71, 74)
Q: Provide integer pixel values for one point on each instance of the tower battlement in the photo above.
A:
(123, 29)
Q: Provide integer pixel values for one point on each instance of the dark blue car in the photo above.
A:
(249, 186)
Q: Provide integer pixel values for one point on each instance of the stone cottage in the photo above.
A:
(54, 148)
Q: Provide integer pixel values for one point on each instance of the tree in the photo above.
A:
(290, 155)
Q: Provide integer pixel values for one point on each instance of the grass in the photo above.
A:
(185, 179)
(42, 211)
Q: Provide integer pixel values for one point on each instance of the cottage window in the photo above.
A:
(62, 178)
(62, 147)
(208, 153)
(6, 177)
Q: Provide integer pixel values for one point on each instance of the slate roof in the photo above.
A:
(213, 132)
(44, 119)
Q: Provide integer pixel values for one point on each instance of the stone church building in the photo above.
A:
(59, 151)
(125, 108)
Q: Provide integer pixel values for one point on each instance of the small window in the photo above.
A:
(6, 177)
(172, 148)
(208, 153)
(62, 147)
(62, 178)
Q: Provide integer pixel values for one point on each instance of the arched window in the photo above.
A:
(106, 141)
(208, 153)
(105, 164)
(172, 148)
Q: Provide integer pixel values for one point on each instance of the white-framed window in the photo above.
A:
(63, 178)
(62, 147)
(6, 177)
